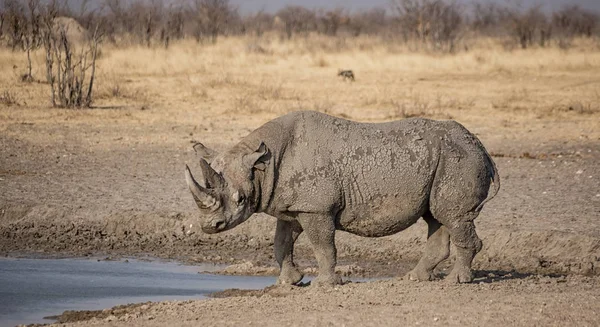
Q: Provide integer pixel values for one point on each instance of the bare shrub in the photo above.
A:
(32, 37)
(138, 21)
(489, 18)
(2, 20)
(118, 17)
(212, 18)
(572, 21)
(68, 66)
(330, 22)
(16, 22)
(258, 23)
(296, 20)
(147, 17)
(370, 22)
(437, 23)
(173, 29)
(529, 27)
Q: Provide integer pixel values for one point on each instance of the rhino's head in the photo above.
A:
(225, 190)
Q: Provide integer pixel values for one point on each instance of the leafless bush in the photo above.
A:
(32, 36)
(437, 23)
(573, 21)
(530, 27)
(138, 21)
(212, 17)
(16, 22)
(68, 66)
(257, 24)
(330, 22)
(372, 21)
(489, 18)
(2, 19)
(173, 29)
(147, 16)
(296, 20)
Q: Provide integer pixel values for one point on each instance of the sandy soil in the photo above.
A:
(109, 181)
(509, 300)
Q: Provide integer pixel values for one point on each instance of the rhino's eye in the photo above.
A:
(241, 200)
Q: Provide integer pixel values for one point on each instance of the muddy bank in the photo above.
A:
(503, 300)
(45, 230)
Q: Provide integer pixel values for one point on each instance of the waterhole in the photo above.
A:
(31, 289)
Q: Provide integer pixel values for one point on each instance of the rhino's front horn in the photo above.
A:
(202, 196)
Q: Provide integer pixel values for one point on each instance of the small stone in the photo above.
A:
(436, 319)
(150, 317)
(110, 318)
(579, 172)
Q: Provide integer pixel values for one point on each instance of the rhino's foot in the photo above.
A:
(326, 281)
(290, 276)
(420, 275)
(460, 275)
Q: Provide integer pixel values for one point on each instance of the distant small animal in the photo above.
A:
(346, 74)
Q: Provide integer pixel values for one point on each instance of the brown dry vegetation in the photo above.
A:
(109, 179)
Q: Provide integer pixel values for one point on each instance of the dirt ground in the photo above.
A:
(109, 180)
(509, 300)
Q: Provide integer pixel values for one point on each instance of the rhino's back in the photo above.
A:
(368, 146)
(376, 176)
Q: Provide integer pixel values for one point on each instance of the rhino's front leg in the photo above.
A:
(285, 236)
(320, 230)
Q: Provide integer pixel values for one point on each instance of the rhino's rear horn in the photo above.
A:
(201, 195)
(204, 152)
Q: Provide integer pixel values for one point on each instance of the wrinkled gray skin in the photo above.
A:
(317, 174)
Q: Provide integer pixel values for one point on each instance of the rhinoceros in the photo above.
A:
(317, 174)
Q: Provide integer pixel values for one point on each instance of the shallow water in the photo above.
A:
(31, 289)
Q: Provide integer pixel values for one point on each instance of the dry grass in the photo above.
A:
(392, 82)
(8, 98)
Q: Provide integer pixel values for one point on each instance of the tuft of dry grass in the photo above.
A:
(8, 98)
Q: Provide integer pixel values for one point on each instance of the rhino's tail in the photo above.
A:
(495, 180)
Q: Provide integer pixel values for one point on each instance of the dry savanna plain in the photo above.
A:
(109, 180)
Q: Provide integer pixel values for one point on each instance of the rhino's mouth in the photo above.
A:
(215, 226)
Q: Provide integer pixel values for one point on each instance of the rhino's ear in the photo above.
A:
(258, 159)
(201, 195)
(210, 178)
(204, 152)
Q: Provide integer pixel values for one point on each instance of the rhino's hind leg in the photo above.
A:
(467, 244)
(437, 249)
(320, 230)
(285, 237)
